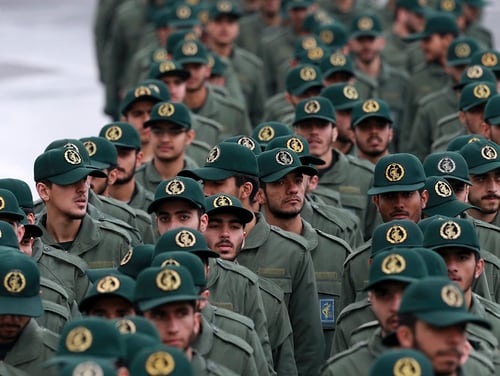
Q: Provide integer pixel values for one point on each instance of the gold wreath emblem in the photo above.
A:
(312, 107)
(91, 147)
(450, 230)
(211, 61)
(452, 296)
(166, 109)
(489, 59)
(155, 88)
(191, 35)
(127, 257)
(167, 66)
(213, 155)
(443, 189)
(142, 90)
(266, 133)
(462, 50)
(370, 106)
(350, 92)
(159, 55)
(189, 48)
(126, 326)
(473, 139)
(79, 339)
(175, 187)
(284, 158)
(393, 264)
(222, 201)
(327, 37)
(108, 284)
(394, 172)
(295, 144)
(407, 367)
(338, 60)
(365, 23)
(315, 53)
(481, 91)
(309, 42)
(183, 12)
(88, 368)
(422, 3)
(2, 203)
(170, 261)
(474, 72)
(396, 234)
(489, 152)
(307, 74)
(168, 280)
(185, 239)
(113, 133)
(446, 165)
(246, 142)
(14, 282)
(160, 363)
(224, 6)
(448, 5)
(72, 157)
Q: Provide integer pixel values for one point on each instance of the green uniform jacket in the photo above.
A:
(395, 52)
(492, 273)
(140, 64)
(488, 339)
(481, 34)
(204, 367)
(277, 107)
(282, 257)
(252, 31)
(207, 130)
(142, 198)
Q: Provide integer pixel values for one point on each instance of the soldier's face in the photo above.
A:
(401, 205)
(284, 198)
(297, 16)
(414, 22)
(485, 191)
(69, 201)
(373, 136)
(199, 75)
(227, 186)
(177, 323)
(366, 48)
(223, 30)
(179, 213)
(462, 265)
(433, 47)
(169, 141)
(128, 159)
(271, 7)
(111, 307)
(319, 134)
(474, 120)
(495, 134)
(345, 132)
(137, 115)
(11, 327)
(225, 235)
(176, 87)
(385, 299)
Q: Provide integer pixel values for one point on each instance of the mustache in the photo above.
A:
(400, 212)
(224, 242)
(452, 351)
(490, 196)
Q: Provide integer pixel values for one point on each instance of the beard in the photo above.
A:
(127, 178)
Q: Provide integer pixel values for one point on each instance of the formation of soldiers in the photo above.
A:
(296, 188)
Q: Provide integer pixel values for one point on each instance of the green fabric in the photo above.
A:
(122, 135)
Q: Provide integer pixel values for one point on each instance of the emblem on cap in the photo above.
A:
(489, 152)
(155, 88)
(284, 158)
(166, 66)
(14, 282)
(450, 230)
(481, 91)
(474, 72)
(126, 326)
(91, 147)
(315, 53)
(160, 363)
(442, 189)
(448, 5)
(211, 61)
(168, 280)
(266, 133)
(446, 165)
(108, 284)
(185, 239)
(489, 59)
(174, 187)
(309, 42)
(142, 90)
(307, 74)
(113, 133)
(224, 6)
(166, 109)
(170, 261)
(295, 144)
(370, 106)
(246, 142)
(350, 92)
(407, 367)
(365, 23)
(394, 172)
(462, 50)
(326, 36)
(189, 48)
(72, 157)
(222, 200)
(393, 264)
(452, 296)
(213, 155)
(79, 339)
(127, 257)
(183, 12)
(2, 203)
(159, 55)
(422, 3)
(88, 368)
(396, 234)
(338, 60)
(312, 107)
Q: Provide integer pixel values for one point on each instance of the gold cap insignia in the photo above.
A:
(442, 189)
(224, 6)
(174, 187)
(88, 368)
(312, 107)
(126, 326)
(203, 17)
(407, 367)
(155, 88)
(170, 261)
(462, 50)
(393, 264)
(350, 92)
(222, 201)
(2, 203)
(168, 280)
(193, 2)
(295, 144)
(446, 165)
(160, 363)
(159, 55)
(394, 172)
(309, 42)
(69, 145)
(450, 230)
(142, 90)
(108, 284)
(246, 142)
(473, 139)
(489, 152)
(79, 339)
(167, 66)
(191, 35)
(307, 74)
(91, 147)
(474, 72)
(365, 23)
(183, 12)
(14, 282)
(481, 91)
(166, 109)
(422, 3)
(185, 239)
(213, 155)
(72, 157)
(489, 59)
(189, 48)
(211, 61)
(266, 133)
(284, 158)
(327, 36)
(448, 5)
(113, 133)
(370, 106)
(338, 60)
(452, 296)
(127, 257)
(315, 53)
(396, 234)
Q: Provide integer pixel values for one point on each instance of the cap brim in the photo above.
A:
(87, 302)
(193, 60)
(146, 305)
(451, 177)
(395, 188)
(495, 120)
(442, 319)
(479, 170)
(448, 209)
(175, 72)
(416, 36)
(310, 159)
(313, 116)
(154, 205)
(205, 253)
(360, 34)
(208, 173)
(32, 231)
(99, 165)
(458, 62)
(348, 105)
(306, 170)
(150, 123)
(389, 278)
(21, 306)
(74, 176)
(367, 116)
(303, 88)
(95, 274)
(243, 214)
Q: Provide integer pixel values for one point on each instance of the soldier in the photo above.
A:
(442, 199)
(473, 100)
(492, 119)
(267, 131)
(472, 10)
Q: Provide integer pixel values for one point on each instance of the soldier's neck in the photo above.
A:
(61, 227)
(271, 18)
(400, 30)
(169, 169)
(372, 158)
(485, 217)
(147, 152)
(344, 147)
(293, 224)
(372, 68)
(195, 99)
(123, 192)
(225, 50)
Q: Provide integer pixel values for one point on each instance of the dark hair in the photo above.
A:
(407, 319)
(241, 179)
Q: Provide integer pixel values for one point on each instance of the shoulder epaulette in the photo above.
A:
(275, 35)
(233, 316)
(337, 240)
(345, 353)
(366, 165)
(272, 289)
(360, 250)
(290, 236)
(239, 269)
(116, 227)
(141, 168)
(47, 283)
(49, 338)
(356, 306)
(429, 98)
(228, 101)
(232, 339)
(57, 309)
(480, 358)
(276, 98)
(201, 145)
(367, 325)
(487, 225)
(489, 306)
(490, 258)
(142, 216)
(65, 256)
(420, 67)
(252, 58)
(208, 122)
(118, 204)
(447, 118)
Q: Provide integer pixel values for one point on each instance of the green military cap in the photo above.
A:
(156, 286)
(189, 260)
(370, 108)
(101, 151)
(293, 4)
(442, 199)
(158, 86)
(21, 190)
(178, 188)
(313, 56)
(158, 54)
(78, 146)
(487, 58)
(190, 51)
(305, 43)
(476, 3)
(139, 93)
(183, 16)
(402, 362)
(221, 163)
(217, 66)
(332, 34)
(62, 166)
(87, 366)
(8, 237)
(168, 68)
(473, 74)
(267, 131)
(161, 18)
(302, 78)
(110, 285)
(434, 263)
(179, 35)
(221, 8)
(20, 290)
(161, 360)
(481, 156)
(223, 203)
(436, 23)
(135, 343)
(9, 206)
(451, 233)
(439, 302)
(416, 6)
(299, 145)
(337, 62)
(400, 233)
(275, 164)
(476, 94)
(448, 164)
(184, 239)
(459, 142)
(460, 51)
(453, 7)
(314, 20)
(366, 25)
(491, 111)
(400, 172)
(122, 135)
(343, 96)
(137, 325)
(246, 141)
(402, 265)
(314, 108)
(171, 112)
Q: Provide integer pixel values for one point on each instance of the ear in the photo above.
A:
(112, 176)
(138, 159)
(190, 135)
(261, 197)
(375, 199)
(288, 98)
(203, 222)
(391, 133)
(479, 268)
(335, 133)
(461, 117)
(405, 336)
(197, 320)
(43, 191)
(245, 190)
(424, 198)
(20, 232)
(485, 130)
(202, 303)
